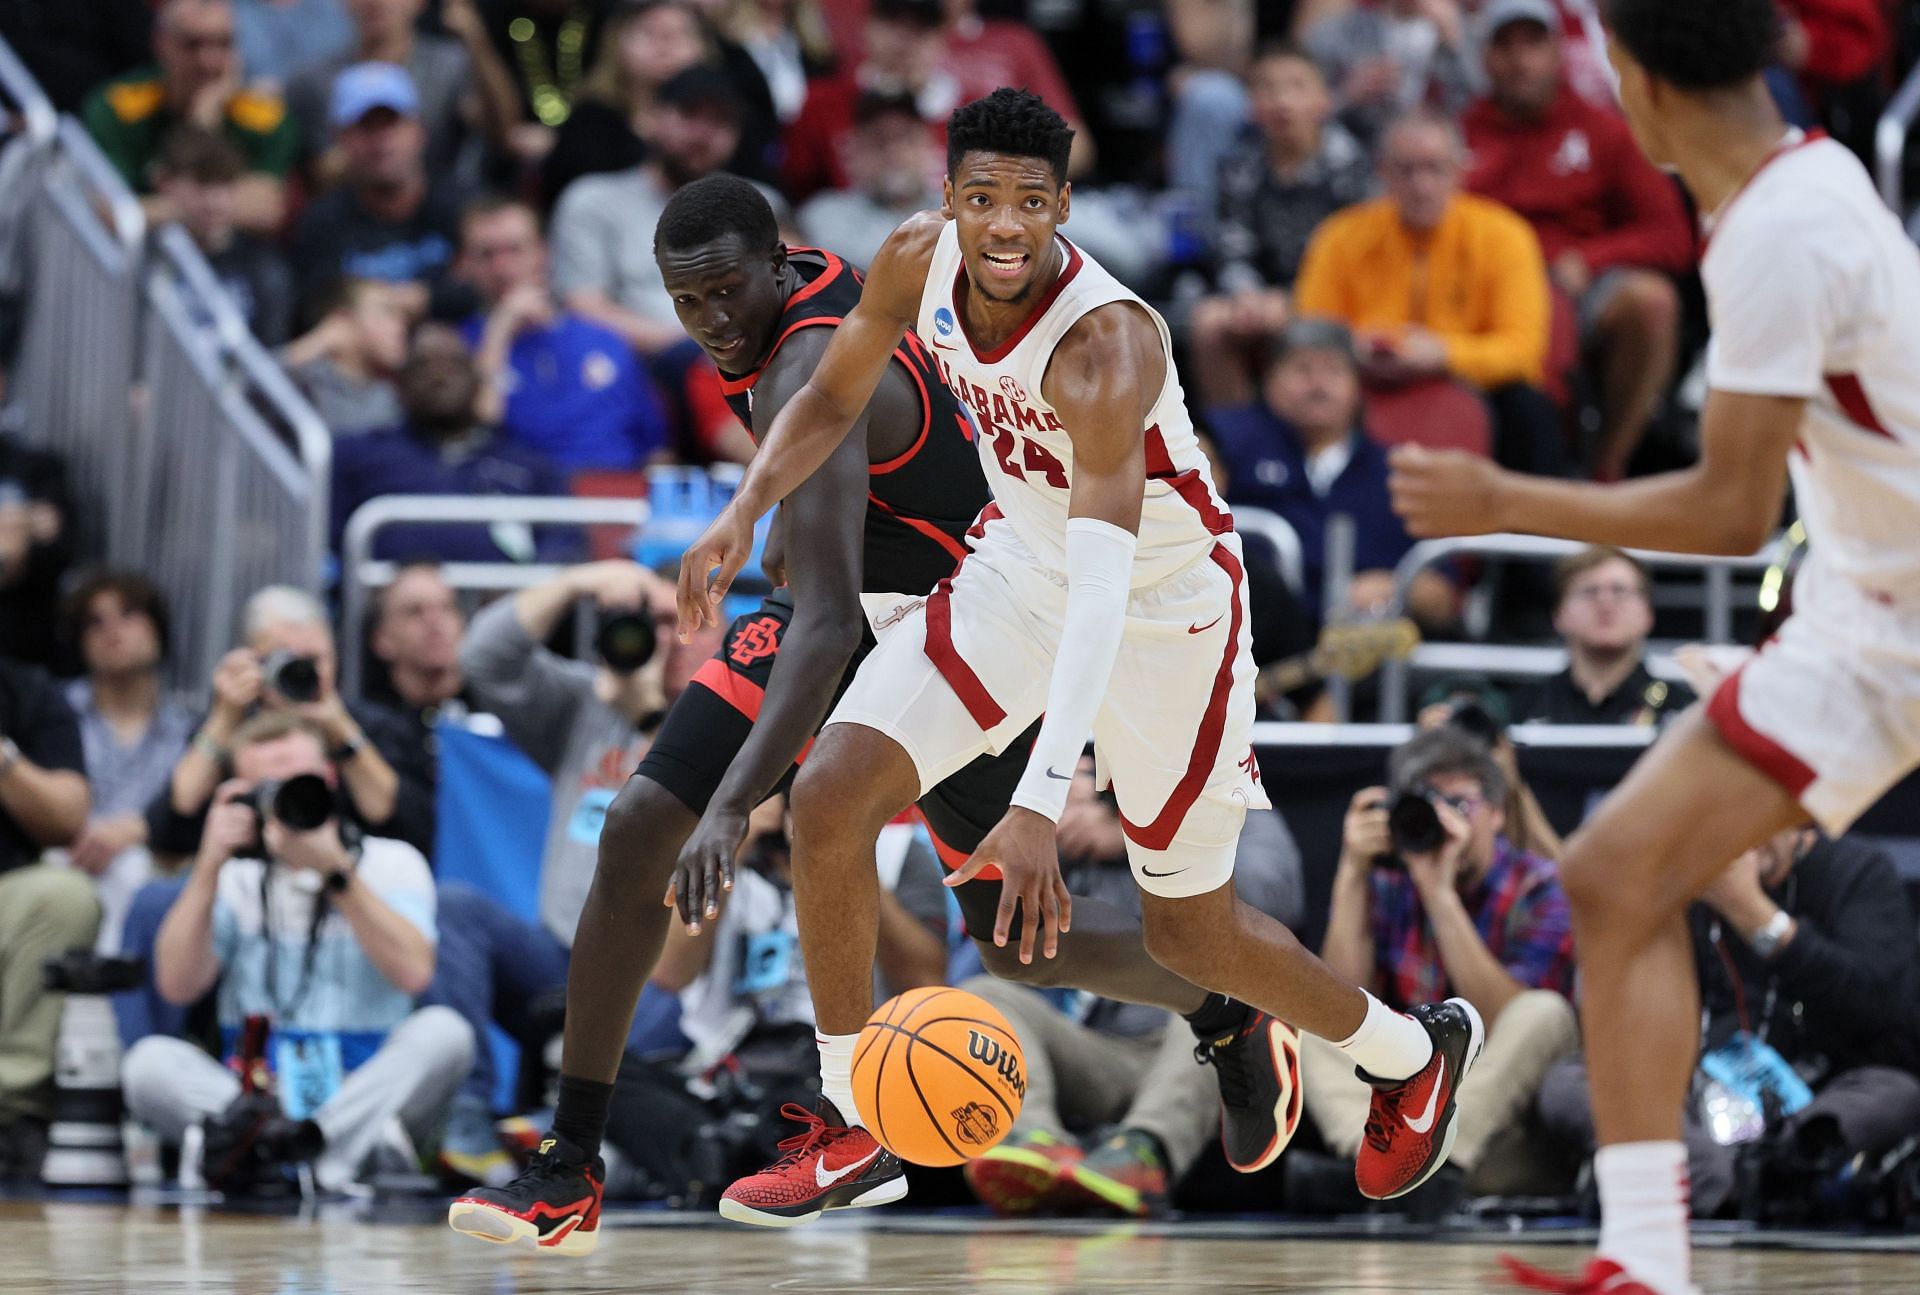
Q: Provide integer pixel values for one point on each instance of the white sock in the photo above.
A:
(1645, 1201)
(836, 1074)
(1388, 1044)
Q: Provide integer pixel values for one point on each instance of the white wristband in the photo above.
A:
(1099, 573)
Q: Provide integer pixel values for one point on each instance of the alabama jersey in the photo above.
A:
(1814, 292)
(1023, 447)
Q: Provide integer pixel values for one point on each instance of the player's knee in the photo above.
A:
(1178, 940)
(1604, 898)
(631, 826)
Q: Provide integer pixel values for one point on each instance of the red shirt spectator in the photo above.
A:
(1581, 182)
(984, 54)
(1834, 42)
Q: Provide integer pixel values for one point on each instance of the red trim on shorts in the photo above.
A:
(1811, 137)
(1018, 335)
(1852, 398)
(1159, 834)
(954, 548)
(739, 692)
(1753, 746)
(953, 667)
(952, 857)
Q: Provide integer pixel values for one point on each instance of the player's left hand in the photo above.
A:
(1444, 492)
(1022, 846)
(705, 867)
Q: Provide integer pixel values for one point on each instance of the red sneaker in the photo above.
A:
(1410, 1128)
(1602, 1277)
(1026, 1175)
(829, 1166)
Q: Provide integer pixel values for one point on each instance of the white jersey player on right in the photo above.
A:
(1814, 372)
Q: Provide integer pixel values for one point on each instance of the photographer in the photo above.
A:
(586, 725)
(327, 936)
(1431, 900)
(288, 664)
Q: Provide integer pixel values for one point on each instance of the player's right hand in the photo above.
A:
(1022, 847)
(726, 545)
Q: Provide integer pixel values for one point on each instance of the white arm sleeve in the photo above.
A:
(1099, 571)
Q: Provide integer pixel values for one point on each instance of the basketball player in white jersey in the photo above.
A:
(1814, 373)
(1103, 589)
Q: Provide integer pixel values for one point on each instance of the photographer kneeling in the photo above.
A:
(1431, 900)
(326, 936)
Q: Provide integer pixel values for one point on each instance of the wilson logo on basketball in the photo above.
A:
(990, 1054)
(976, 1123)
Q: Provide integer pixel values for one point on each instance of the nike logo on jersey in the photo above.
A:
(1202, 629)
(1424, 1124)
(825, 1179)
(1061, 776)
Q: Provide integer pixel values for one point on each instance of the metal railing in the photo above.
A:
(1890, 143)
(1396, 676)
(361, 574)
(1277, 531)
(230, 468)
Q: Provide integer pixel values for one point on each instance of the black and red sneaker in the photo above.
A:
(828, 1166)
(1602, 1277)
(1258, 1066)
(552, 1207)
(1410, 1128)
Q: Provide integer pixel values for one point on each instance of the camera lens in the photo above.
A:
(626, 641)
(297, 678)
(302, 803)
(1413, 822)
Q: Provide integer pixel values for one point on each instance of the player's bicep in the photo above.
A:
(1103, 381)
(1745, 441)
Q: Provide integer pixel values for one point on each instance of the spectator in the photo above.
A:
(983, 54)
(458, 79)
(1603, 612)
(1474, 917)
(1208, 107)
(1439, 283)
(444, 449)
(647, 44)
(278, 39)
(417, 629)
(603, 266)
(35, 549)
(586, 725)
(1612, 228)
(1302, 452)
(353, 1057)
(1390, 56)
(44, 910)
(1104, 1063)
(1830, 45)
(1281, 180)
(1807, 956)
(894, 169)
(904, 55)
(566, 387)
(197, 83)
(198, 178)
(389, 218)
(347, 362)
(787, 41)
(132, 730)
(385, 772)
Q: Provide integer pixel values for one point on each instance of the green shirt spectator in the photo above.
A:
(130, 118)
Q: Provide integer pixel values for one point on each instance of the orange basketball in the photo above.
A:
(938, 1076)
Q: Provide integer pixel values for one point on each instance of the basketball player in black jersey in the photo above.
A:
(885, 518)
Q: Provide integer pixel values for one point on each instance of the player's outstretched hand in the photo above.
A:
(726, 545)
(1022, 847)
(705, 866)
(1444, 492)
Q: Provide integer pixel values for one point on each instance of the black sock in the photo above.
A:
(1218, 1015)
(580, 1116)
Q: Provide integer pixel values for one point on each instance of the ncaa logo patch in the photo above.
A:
(943, 322)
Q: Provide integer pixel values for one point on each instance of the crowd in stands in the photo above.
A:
(1367, 222)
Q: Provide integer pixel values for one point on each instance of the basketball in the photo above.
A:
(938, 1076)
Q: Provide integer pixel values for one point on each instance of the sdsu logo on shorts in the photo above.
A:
(976, 1123)
(756, 639)
(943, 322)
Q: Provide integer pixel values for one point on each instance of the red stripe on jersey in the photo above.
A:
(954, 547)
(1191, 488)
(966, 685)
(834, 266)
(1018, 335)
(737, 386)
(1753, 746)
(899, 461)
(739, 692)
(1852, 398)
(1159, 462)
(1812, 137)
(1159, 834)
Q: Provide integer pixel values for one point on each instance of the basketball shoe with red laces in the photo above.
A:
(1602, 1277)
(1410, 1128)
(1259, 1070)
(828, 1166)
(552, 1207)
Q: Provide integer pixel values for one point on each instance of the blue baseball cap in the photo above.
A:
(365, 86)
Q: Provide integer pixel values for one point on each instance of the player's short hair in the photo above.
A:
(1447, 750)
(1698, 45)
(713, 207)
(1014, 122)
(1574, 565)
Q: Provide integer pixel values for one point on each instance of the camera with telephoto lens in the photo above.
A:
(295, 677)
(299, 804)
(625, 640)
(1414, 823)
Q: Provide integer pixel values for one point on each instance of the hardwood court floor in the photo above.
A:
(85, 1249)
